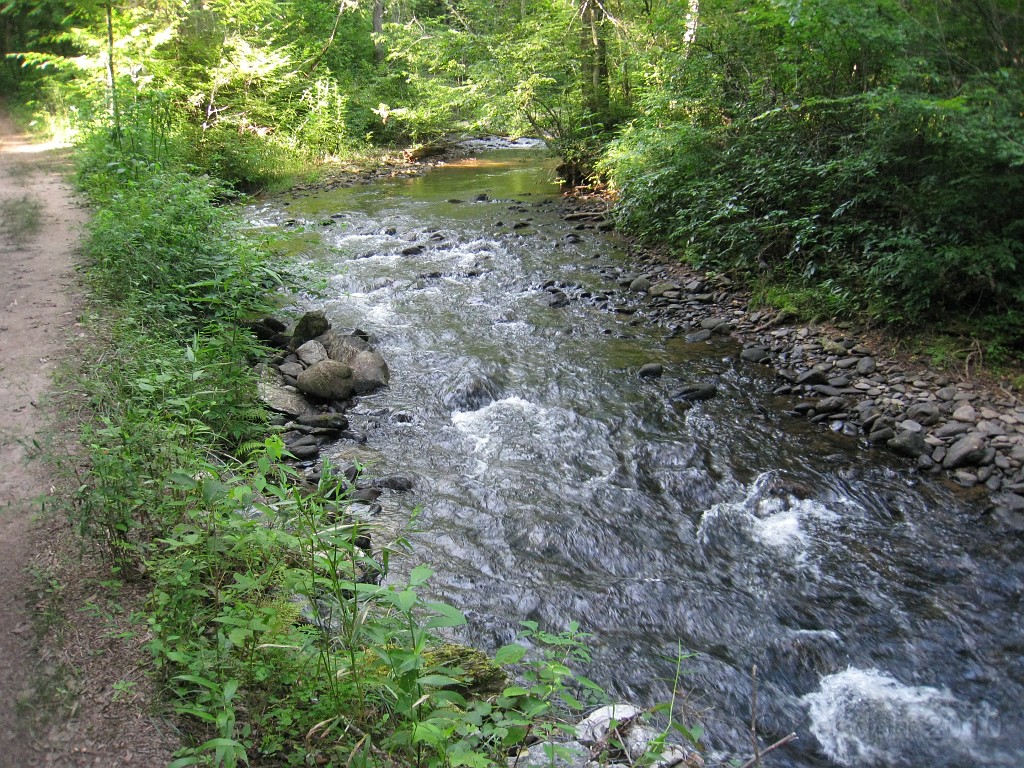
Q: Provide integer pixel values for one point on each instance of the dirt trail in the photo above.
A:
(38, 232)
(58, 703)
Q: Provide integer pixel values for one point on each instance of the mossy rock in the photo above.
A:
(479, 674)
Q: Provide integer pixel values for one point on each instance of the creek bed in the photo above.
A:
(883, 616)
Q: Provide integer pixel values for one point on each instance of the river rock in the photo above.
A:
(342, 347)
(660, 289)
(327, 380)
(812, 377)
(833, 404)
(755, 354)
(953, 429)
(695, 392)
(651, 371)
(550, 754)
(925, 414)
(640, 285)
(291, 369)
(401, 483)
(557, 300)
(369, 372)
(908, 443)
(866, 366)
(335, 421)
(698, 336)
(305, 447)
(310, 325)
(311, 352)
(966, 451)
(966, 413)
(283, 399)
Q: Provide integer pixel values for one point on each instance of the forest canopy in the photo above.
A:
(842, 157)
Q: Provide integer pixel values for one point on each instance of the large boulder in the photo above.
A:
(327, 380)
(342, 347)
(369, 370)
(310, 325)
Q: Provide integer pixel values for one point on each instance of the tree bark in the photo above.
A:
(115, 108)
(378, 30)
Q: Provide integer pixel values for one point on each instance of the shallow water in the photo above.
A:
(882, 613)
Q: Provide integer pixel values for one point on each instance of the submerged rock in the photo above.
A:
(651, 371)
(695, 392)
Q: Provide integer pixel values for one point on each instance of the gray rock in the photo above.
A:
(324, 420)
(754, 354)
(660, 289)
(291, 369)
(812, 377)
(966, 413)
(881, 435)
(830, 405)
(550, 754)
(698, 336)
(327, 380)
(342, 347)
(283, 399)
(310, 325)
(369, 372)
(640, 285)
(924, 413)
(866, 366)
(946, 394)
(558, 300)
(595, 726)
(695, 392)
(304, 450)
(966, 451)
(965, 478)
(908, 443)
(953, 429)
(401, 483)
(651, 371)
(309, 353)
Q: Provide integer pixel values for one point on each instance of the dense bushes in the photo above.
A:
(849, 153)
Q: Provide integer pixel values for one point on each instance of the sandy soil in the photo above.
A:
(58, 663)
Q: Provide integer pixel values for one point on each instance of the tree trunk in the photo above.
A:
(115, 108)
(378, 30)
(595, 62)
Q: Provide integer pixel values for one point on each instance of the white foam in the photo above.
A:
(865, 717)
(772, 521)
(493, 416)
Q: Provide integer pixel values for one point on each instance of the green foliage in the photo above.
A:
(865, 155)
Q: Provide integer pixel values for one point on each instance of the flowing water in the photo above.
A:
(883, 614)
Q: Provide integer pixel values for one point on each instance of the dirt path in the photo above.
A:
(38, 232)
(60, 702)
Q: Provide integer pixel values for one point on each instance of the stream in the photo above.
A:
(555, 484)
